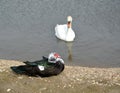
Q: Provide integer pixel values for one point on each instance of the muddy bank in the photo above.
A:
(72, 80)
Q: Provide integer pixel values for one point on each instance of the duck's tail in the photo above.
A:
(26, 70)
(19, 69)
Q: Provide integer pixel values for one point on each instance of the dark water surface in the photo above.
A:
(27, 30)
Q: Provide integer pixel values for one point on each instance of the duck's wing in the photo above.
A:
(45, 58)
(52, 69)
(26, 70)
(38, 62)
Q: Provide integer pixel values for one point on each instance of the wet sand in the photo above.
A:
(73, 79)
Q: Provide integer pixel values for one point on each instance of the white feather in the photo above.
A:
(64, 33)
(41, 67)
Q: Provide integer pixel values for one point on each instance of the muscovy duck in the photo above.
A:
(65, 31)
(53, 65)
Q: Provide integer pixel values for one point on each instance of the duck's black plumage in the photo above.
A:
(32, 68)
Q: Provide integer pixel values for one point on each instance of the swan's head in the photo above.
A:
(69, 19)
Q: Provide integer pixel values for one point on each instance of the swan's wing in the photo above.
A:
(60, 31)
(70, 35)
(60, 28)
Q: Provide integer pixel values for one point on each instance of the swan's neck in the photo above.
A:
(69, 24)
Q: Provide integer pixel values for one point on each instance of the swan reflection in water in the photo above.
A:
(69, 46)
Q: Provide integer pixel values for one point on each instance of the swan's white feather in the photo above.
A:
(64, 33)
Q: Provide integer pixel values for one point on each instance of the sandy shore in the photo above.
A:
(72, 80)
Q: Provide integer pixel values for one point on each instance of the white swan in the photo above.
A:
(65, 32)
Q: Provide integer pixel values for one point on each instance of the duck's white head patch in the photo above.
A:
(53, 57)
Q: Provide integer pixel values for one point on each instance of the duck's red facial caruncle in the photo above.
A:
(53, 57)
(56, 55)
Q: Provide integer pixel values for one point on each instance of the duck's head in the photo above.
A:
(69, 20)
(54, 57)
